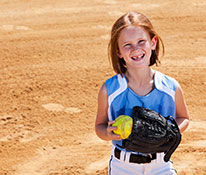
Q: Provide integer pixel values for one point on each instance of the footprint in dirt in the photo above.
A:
(14, 27)
(5, 119)
(12, 130)
(60, 108)
(16, 131)
(110, 2)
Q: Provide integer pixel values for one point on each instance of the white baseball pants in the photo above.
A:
(122, 166)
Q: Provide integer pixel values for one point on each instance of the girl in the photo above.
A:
(134, 48)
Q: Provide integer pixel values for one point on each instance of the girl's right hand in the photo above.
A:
(110, 132)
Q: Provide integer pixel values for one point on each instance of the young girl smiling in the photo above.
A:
(134, 47)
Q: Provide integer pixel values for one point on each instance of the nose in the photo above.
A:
(135, 47)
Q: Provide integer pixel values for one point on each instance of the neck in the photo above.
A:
(140, 76)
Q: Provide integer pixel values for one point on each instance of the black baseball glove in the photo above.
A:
(152, 133)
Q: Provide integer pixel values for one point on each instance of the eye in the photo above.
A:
(127, 45)
(141, 41)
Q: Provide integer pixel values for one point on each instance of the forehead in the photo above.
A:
(133, 33)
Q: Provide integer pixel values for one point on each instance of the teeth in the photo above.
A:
(138, 57)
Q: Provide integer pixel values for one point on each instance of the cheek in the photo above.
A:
(124, 51)
(147, 45)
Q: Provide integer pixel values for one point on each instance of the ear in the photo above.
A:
(154, 42)
(119, 54)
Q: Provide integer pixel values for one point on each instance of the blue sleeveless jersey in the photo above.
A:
(121, 99)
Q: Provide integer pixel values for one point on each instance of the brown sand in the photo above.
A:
(53, 61)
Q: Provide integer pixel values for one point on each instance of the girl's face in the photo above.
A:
(135, 46)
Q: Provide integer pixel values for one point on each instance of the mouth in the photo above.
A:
(138, 57)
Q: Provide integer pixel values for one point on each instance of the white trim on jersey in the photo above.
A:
(122, 87)
(160, 86)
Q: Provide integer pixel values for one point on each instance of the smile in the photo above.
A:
(137, 58)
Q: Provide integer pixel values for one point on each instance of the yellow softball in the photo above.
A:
(124, 125)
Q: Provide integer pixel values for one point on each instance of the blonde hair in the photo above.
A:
(128, 19)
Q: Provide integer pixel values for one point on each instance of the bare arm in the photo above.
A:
(103, 127)
(182, 114)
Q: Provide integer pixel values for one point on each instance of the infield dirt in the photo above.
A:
(54, 60)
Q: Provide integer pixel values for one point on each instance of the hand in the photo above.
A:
(110, 133)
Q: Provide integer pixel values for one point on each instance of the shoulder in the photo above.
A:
(102, 96)
(166, 83)
(107, 85)
(112, 79)
(115, 83)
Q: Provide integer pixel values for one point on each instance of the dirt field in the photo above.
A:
(53, 61)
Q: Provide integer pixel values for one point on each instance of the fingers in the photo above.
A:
(111, 122)
(110, 127)
(110, 130)
(116, 137)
